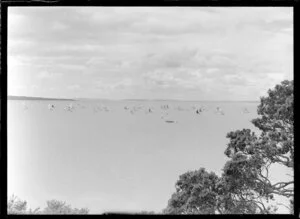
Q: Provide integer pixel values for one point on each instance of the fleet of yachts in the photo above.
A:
(164, 109)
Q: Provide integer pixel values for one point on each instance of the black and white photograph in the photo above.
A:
(150, 110)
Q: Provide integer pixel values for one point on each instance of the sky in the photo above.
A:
(190, 53)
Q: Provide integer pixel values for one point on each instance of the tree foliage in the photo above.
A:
(147, 212)
(195, 191)
(17, 206)
(60, 207)
(244, 186)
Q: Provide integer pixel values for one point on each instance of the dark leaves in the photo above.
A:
(243, 181)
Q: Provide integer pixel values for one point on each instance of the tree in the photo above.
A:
(277, 124)
(18, 206)
(60, 207)
(146, 212)
(196, 191)
(252, 156)
(200, 192)
(244, 186)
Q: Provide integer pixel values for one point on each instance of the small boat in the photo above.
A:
(170, 121)
(164, 107)
(24, 105)
(164, 114)
(149, 110)
(51, 107)
(198, 111)
(179, 108)
(245, 110)
(96, 109)
(69, 107)
(220, 111)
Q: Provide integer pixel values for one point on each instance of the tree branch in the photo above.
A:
(284, 184)
(265, 210)
(283, 205)
(265, 178)
(283, 193)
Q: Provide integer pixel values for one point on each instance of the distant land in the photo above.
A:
(102, 99)
(162, 100)
(250, 101)
(35, 98)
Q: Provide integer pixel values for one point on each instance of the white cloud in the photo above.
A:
(212, 70)
(74, 87)
(276, 77)
(34, 87)
(48, 75)
(58, 26)
(151, 47)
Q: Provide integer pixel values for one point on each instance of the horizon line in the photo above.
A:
(123, 99)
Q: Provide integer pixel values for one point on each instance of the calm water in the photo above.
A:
(114, 159)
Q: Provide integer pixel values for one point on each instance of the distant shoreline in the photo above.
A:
(131, 100)
(219, 101)
(165, 100)
(35, 98)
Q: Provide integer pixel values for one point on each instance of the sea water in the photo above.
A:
(115, 155)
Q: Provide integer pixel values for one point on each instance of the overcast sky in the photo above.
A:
(172, 52)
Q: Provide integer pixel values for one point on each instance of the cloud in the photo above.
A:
(59, 26)
(72, 67)
(34, 87)
(17, 87)
(74, 87)
(276, 76)
(236, 80)
(48, 75)
(171, 49)
(123, 84)
(167, 78)
(45, 75)
(159, 78)
(109, 86)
